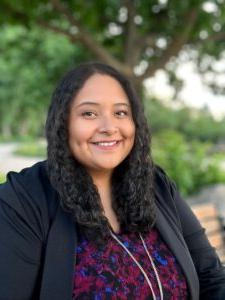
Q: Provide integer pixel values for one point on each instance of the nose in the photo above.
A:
(107, 126)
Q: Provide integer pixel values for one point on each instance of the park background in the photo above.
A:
(157, 44)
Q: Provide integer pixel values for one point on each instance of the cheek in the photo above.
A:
(130, 131)
(79, 133)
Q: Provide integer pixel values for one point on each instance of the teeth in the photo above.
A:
(106, 143)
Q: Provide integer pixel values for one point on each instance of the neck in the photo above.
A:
(103, 184)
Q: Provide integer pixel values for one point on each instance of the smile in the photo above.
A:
(107, 145)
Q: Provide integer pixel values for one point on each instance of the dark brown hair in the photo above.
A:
(132, 180)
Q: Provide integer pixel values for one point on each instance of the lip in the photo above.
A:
(101, 147)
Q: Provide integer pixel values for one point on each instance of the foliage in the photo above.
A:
(137, 37)
(40, 40)
(187, 163)
(31, 149)
(193, 124)
(30, 64)
(214, 173)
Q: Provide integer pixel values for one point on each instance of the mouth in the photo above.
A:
(107, 145)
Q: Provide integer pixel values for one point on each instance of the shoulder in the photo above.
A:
(32, 180)
(169, 201)
(167, 196)
(163, 185)
(29, 193)
(28, 176)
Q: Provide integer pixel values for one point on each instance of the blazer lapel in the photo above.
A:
(57, 280)
(172, 237)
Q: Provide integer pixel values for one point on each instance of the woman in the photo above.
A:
(98, 220)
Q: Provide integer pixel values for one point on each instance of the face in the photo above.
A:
(101, 127)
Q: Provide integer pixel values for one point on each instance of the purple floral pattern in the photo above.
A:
(110, 273)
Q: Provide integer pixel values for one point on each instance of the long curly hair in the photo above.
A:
(132, 180)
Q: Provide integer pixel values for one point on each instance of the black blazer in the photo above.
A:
(38, 240)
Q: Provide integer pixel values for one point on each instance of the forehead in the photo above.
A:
(100, 88)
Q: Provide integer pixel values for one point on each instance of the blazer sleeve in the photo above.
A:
(21, 243)
(210, 271)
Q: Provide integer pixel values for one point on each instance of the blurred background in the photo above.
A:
(173, 51)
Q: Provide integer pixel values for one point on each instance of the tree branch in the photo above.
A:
(61, 8)
(88, 41)
(219, 36)
(175, 46)
(130, 53)
(73, 38)
(149, 40)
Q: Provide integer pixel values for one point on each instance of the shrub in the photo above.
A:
(187, 162)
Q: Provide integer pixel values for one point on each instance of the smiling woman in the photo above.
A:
(98, 220)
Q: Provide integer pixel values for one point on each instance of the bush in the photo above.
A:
(187, 163)
(194, 124)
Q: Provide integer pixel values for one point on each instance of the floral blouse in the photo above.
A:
(110, 273)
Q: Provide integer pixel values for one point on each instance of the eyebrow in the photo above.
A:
(97, 104)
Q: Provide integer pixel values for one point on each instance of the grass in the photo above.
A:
(16, 139)
(2, 178)
(31, 149)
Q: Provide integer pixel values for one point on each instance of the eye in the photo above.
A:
(89, 114)
(122, 113)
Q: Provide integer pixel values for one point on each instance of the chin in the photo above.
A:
(107, 167)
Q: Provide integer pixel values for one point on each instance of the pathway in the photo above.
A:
(12, 162)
